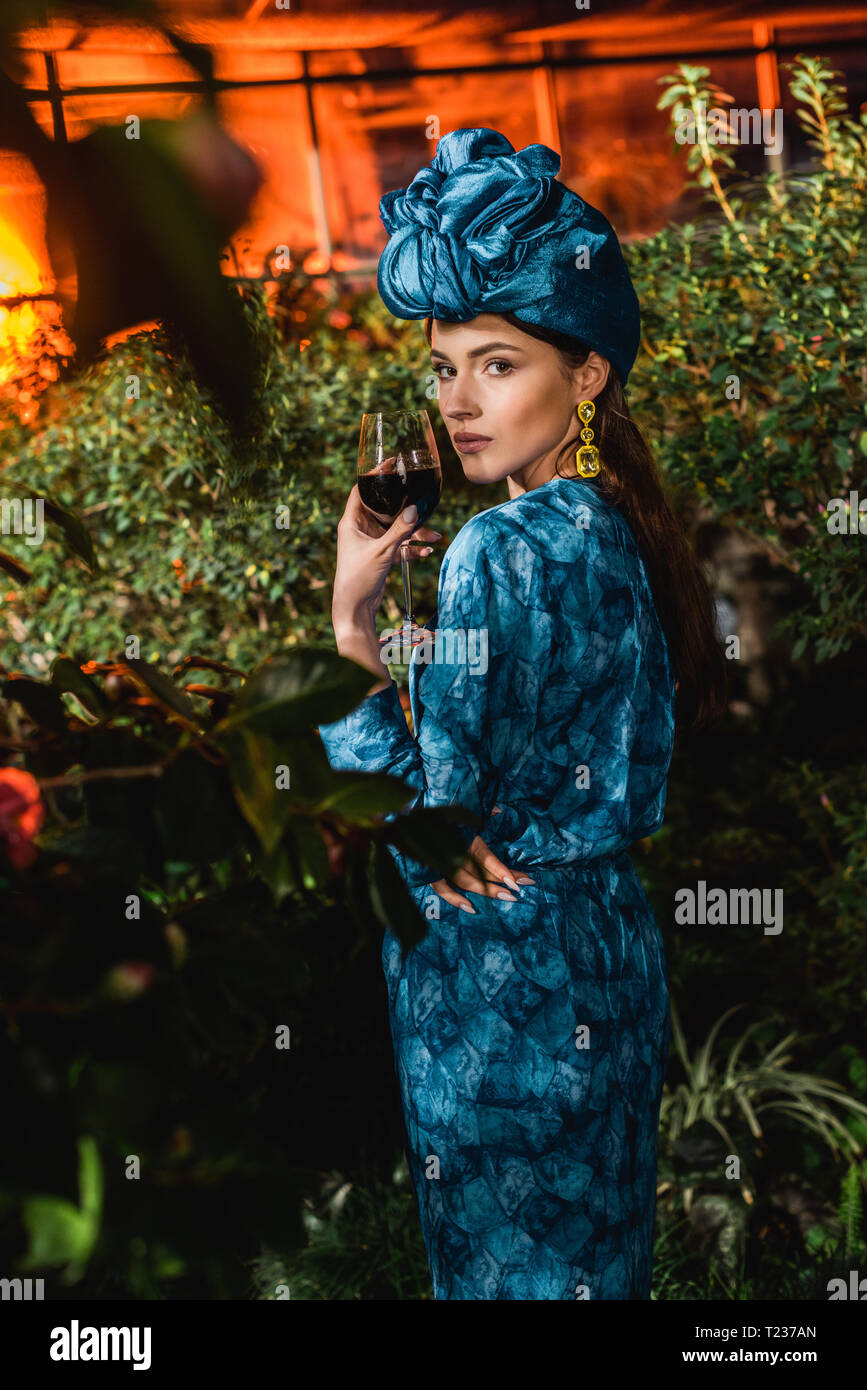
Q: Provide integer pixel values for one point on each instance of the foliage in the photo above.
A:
(194, 551)
(175, 934)
(778, 798)
(748, 1109)
(363, 1242)
(718, 1091)
(752, 364)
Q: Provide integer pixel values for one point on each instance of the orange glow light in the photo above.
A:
(19, 274)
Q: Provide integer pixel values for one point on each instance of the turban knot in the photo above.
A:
(485, 228)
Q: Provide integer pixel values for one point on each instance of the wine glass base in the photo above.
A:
(408, 635)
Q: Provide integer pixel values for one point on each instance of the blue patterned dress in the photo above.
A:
(530, 1039)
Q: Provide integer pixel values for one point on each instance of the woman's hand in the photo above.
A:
(365, 555)
(467, 877)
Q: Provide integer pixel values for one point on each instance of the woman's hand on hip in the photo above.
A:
(365, 555)
(494, 874)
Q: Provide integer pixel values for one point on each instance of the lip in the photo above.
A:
(466, 443)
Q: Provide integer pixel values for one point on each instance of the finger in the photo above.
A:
(495, 868)
(354, 506)
(360, 516)
(443, 888)
(470, 882)
(502, 871)
(475, 875)
(417, 554)
(403, 526)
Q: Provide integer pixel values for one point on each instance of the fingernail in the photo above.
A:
(410, 513)
(465, 907)
(509, 897)
(511, 882)
(438, 535)
(524, 879)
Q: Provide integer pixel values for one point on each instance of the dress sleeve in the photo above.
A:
(549, 694)
(588, 773)
(447, 762)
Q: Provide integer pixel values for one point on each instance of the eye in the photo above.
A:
(500, 362)
(440, 367)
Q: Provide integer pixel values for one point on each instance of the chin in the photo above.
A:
(481, 476)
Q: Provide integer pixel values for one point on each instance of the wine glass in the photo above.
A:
(398, 464)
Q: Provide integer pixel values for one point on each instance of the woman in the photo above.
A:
(531, 1025)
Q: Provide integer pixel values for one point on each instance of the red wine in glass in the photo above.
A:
(388, 493)
(398, 465)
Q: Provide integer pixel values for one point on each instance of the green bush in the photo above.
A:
(193, 551)
(751, 373)
(190, 980)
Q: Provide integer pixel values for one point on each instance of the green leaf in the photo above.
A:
(275, 869)
(67, 676)
(42, 703)
(312, 780)
(307, 852)
(160, 685)
(61, 1233)
(360, 796)
(391, 898)
(311, 686)
(670, 97)
(430, 836)
(76, 533)
(17, 571)
(252, 760)
(858, 1073)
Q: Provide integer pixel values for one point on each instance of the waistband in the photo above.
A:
(571, 867)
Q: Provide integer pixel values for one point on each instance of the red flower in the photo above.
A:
(21, 815)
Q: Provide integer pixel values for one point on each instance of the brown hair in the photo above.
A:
(631, 481)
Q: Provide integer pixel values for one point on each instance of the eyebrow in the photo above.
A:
(477, 352)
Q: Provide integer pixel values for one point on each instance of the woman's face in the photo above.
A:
(509, 388)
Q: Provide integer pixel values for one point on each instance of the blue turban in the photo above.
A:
(484, 229)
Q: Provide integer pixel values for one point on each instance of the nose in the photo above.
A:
(460, 405)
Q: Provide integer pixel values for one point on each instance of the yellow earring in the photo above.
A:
(587, 461)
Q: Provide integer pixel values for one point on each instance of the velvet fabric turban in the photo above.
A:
(484, 229)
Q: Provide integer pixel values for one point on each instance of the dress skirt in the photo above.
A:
(530, 1043)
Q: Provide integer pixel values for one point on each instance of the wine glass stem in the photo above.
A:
(406, 571)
